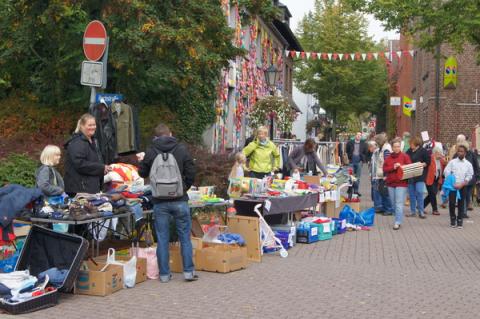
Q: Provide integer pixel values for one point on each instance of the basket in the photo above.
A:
(412, 170)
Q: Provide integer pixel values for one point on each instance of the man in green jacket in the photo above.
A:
(263, 155)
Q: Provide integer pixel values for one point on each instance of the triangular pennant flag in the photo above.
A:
(375, 55)
(297, 53)
(388, 56)
(352, 55)
(412, 53)
(364, 56)
(308, 55)
(302, 54)
(287, 53)
(332, 56)
(314, 55)
(292, 54)
(340, 56)
(324, 56)
(399, 54)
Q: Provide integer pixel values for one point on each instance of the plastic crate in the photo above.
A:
(340, 225)
(284, 238)
(291, 229)
(325, 231)
(307, 233)
(45, 249)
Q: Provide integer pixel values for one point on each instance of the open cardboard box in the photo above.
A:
(141, 266)
(222, 258)
(95, 282)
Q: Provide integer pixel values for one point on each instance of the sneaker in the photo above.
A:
(396, 227)
(459, 227)
(443, 206)
(459, 223)
(422, 216)
(435, 213)
(190, 276)
(470, 208)
(411, 215)
(165, 278)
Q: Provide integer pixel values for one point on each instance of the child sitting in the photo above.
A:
(48, 179)
(238, 169)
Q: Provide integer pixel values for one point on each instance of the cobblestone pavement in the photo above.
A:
(425, 270)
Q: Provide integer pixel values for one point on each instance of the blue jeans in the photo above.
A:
(357, 171)
(180, 211)
(381, 202)
(416, 193)
(397, 196)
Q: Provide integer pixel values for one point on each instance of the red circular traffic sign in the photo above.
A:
(94, 40)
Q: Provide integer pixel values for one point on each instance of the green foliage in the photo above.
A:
(432, 22)
(18, 169)
(276, 107)
(166, 53)
(263, 8)
(342, 87)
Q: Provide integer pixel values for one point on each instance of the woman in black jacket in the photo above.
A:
(416, 185)
(84, 169)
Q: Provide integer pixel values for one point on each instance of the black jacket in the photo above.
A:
(166, 144)
(106, 133)
(83, 168)
(420, 155)
(363, 150)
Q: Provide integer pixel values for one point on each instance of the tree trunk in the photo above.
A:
(334, 125)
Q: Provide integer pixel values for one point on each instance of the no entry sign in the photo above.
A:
(94, 40)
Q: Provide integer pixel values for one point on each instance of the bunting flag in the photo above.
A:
(358, 56)
(407, 106)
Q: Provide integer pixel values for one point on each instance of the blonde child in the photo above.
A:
(48, 179)
(238, 169)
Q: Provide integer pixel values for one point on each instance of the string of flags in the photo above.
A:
(389, 55)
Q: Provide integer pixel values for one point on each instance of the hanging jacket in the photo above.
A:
(106, 133)
(83, 167)
(124, 123)
(263, 158)
(49, 180)
(394, 175)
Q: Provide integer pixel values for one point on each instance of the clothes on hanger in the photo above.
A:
(106, 133)
(125, 125)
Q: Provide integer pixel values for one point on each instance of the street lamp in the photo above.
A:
(316, 109)
(271, 77)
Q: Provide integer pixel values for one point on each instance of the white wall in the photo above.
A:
(304, 103)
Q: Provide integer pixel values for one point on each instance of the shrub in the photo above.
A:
(18, 169)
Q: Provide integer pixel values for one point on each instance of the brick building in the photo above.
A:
(443, 112)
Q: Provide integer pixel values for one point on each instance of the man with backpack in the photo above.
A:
(171, 171)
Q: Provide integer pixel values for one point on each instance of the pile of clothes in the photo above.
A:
(20, 286)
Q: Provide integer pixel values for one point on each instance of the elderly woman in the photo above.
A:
(263, 155)
(305, 159)
(434, 178)
(84, 168)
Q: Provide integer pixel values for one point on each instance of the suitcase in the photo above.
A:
(45, 249)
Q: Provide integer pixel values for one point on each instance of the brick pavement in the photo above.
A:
(425, 270)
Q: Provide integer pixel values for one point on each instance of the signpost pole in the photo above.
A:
(93, 94)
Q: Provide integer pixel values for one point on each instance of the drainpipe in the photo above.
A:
(437, 92)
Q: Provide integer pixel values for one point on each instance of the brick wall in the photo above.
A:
(459, 111)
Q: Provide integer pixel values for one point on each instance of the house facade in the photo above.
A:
(244, 83)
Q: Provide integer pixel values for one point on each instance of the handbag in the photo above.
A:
(150, 254)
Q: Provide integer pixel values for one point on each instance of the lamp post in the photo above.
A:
(271, 77)
(316, 109)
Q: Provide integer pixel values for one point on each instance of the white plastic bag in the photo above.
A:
(129, 268)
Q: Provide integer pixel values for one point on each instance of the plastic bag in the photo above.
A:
(129, 268)
(365, 218)
(150, 254)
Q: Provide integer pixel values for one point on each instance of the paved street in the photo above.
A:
(425, 270)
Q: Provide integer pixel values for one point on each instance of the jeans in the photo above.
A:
(180, 211)
(432, 196)
(452, 200)
(415, 191)
(357, 171)
(397, 196)
(381, 201)
(468, 197)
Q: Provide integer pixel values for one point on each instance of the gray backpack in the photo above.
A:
(165, 177)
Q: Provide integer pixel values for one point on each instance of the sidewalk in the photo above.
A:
(424, 270)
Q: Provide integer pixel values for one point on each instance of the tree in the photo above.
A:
(167, 53)
(432, 22)
(342, 87)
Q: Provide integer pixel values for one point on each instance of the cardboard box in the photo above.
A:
(141, 266)
(354, 205)
(329, 209)
(176, 260)
(249, 228)
(222, 258)
(315, 180)
(95, 282)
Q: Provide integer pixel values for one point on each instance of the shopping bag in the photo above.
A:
(365, 218)
(129, 268)
(150, 254)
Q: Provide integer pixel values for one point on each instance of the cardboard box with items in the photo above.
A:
(95, 279)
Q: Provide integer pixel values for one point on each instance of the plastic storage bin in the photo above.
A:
(291, 229)
(45, 249)
(307, 233)
(340, 226)
(325, 231)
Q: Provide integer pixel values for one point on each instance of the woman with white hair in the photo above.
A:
(434, 179)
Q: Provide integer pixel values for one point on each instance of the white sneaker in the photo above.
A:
(396, 227)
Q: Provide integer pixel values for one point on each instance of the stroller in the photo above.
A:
(267, 236)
